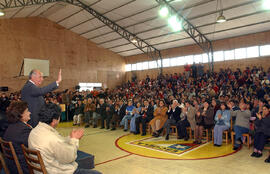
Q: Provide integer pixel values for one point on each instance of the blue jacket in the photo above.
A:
(225, 118)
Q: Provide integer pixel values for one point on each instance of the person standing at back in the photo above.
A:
(33, 94)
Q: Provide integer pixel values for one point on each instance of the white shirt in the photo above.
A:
(58, 152)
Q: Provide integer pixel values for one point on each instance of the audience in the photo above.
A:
(222, 118)
(58, 153)
(18, 132)
(173, 117)
(182, 125)
(241, 123)
(246, 93)
(136, 114)
(204, 120)
(262, 131)
(128, 116)
(79, 110)
(160, 118)
(146, 115)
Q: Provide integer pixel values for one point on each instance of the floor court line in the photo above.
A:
(114, 159)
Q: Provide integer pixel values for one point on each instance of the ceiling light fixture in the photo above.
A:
(221, 18)
(2, 12)
(266, 4)
(134, 40)
(174, 23)
(163, 12)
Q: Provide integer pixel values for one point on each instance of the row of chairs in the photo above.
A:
(32, 157)
(207, 137)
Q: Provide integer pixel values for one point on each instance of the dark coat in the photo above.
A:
(18, 134)
(111, 110)
(206, 120)
(122, 111)
(174, 115)
(103, 112)
(33, 95)
(3, 123)
(79, 109)
(149, 113)
(263, 125)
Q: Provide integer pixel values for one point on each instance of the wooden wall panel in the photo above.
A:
(80, 59)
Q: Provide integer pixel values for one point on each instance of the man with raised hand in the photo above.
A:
(33, 94)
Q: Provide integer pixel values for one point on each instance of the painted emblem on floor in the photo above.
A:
(172, 149)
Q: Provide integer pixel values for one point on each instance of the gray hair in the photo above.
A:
(32, 72)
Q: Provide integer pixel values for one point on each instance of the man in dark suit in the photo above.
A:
(147, 115)
(33, 94)
(173, 117)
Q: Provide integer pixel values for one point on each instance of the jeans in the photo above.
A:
(124, 121)
(133, 123)
(218, 132)
(86, 171)
(238, 133)
(96, 116)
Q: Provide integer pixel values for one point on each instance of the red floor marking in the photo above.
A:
(113, 159)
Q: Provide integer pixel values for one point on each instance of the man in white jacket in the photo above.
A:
(58, 153)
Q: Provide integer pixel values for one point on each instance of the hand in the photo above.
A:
(219, 116)
(198, 114)
(59, 77)
(77, 133)
(259, 116)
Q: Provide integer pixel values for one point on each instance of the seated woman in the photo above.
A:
(18, 132)
(182, 125)
(204, 120)
(136, 114)
(160, 117)
(222, 119)
(262, 132)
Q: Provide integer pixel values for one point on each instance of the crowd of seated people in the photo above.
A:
(202, 101)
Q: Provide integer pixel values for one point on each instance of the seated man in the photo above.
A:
(79, 108)
(146, 116)
(58, 153)
(241, 123)
(128, 116)
(173, 117)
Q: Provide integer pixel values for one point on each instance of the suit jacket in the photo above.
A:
(122, 111)
(206, 120)
(191, 114)
(18, 134)
(149, 112)
(33, 95)
(263, 125)
(174, 114)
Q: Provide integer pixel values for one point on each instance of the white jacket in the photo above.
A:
(58, 152)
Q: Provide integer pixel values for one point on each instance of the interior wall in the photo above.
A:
(80, 59)
(261, 38)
